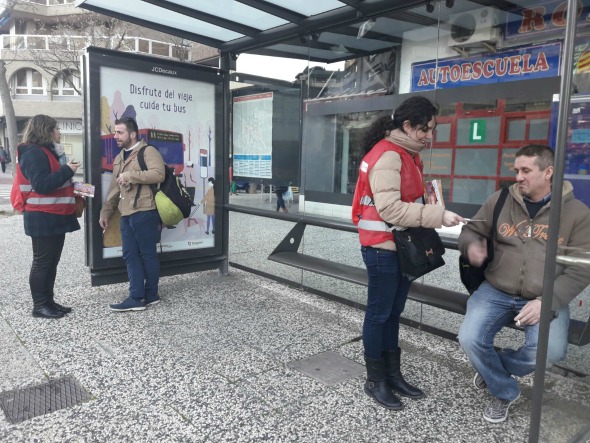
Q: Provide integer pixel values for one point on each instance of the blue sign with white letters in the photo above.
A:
(523, 63)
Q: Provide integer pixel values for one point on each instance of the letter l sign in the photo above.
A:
(477, 131)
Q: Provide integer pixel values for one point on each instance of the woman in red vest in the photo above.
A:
(389, 192)
(43, 191)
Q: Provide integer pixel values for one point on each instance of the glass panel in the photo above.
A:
(140, 10)
(238, 12)
(478, 162)
(471, 190)
(36, 42)
(443, 133)
(37, 79)
(143, 45)
(478, 131)
(539, 129)
(517, 129)
(161, 49)
(309, 8)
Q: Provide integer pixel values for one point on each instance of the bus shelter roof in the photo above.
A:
(319, 30)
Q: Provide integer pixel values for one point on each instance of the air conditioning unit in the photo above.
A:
(474, 28)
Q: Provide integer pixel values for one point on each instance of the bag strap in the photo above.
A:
(143, 166)
(497, 210)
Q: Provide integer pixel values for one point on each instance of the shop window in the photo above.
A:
(28, 82)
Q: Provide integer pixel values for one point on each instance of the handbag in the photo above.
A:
(473, 276)
(80, 205)
(419, 251)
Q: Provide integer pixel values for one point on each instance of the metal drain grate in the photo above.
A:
(23, 404)
(329, 368)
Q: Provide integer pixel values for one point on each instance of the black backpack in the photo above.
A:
(170, 188)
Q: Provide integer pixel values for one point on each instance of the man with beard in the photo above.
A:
(140, 222)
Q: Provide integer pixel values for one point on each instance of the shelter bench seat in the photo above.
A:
(287, 253)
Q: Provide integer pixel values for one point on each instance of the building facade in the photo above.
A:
(40, 45)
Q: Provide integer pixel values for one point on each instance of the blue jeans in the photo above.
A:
(140, 233)
(488, 310)
(387, 295)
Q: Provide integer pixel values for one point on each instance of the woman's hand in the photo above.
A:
(451, 219)
(74, 165)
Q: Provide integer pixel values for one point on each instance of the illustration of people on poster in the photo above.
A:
(177, 116)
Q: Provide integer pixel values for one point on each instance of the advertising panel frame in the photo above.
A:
(95, 62)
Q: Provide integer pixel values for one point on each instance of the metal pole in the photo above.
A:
(554, 215)
(224, 188)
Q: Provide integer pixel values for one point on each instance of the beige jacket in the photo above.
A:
(385, 181)
(123, 197)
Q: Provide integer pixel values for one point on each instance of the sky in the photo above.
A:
(276, 67)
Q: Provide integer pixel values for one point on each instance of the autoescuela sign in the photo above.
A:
(522, 63)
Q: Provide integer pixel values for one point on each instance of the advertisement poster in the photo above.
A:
(177, 116)
(253, 135)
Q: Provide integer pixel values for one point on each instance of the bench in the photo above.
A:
(287, 253)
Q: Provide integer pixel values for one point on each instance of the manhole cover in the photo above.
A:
(22, 404)
(329, 368)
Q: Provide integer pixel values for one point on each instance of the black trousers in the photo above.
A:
(46, 256)
(3, 166)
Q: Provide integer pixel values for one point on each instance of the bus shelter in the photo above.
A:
(504, 74)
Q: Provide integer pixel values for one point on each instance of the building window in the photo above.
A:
(28, 82)
(66, 83)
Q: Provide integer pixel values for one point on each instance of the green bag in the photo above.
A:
(170, 214)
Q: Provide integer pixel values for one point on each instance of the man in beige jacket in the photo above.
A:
(130, 191)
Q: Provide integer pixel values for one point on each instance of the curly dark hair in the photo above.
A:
(417, 110)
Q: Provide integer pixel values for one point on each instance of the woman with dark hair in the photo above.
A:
(390, 192)
(43, 191)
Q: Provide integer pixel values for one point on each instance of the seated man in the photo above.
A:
(514, 279)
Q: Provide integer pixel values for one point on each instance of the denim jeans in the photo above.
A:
(488, 310)
(140, 233)
(387, 295)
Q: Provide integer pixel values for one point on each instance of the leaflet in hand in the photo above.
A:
(84, 189)
(434, 192)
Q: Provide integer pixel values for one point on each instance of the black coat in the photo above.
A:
(35, 166)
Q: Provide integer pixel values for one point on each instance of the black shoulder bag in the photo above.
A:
(419, 251)
(473, 276)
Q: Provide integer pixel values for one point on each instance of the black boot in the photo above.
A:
(43, 308)
(376, 386)
(64, 309)
(395, 379)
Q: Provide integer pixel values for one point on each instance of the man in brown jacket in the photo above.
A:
(514, 278)
(140, 222)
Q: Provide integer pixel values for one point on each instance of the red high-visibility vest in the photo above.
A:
(24, 198)
(371, 227)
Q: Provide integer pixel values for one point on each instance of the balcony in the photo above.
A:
(57, 43)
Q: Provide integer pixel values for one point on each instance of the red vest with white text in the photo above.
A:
(24, 198)
(372, 229)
